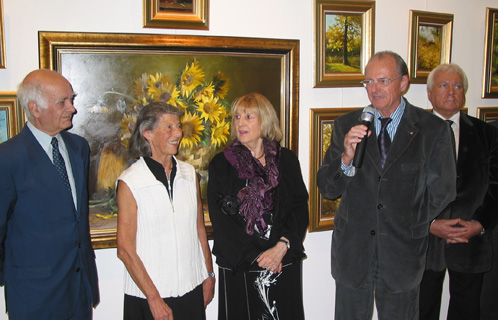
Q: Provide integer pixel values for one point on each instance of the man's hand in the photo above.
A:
(352, 138)
(455, 230)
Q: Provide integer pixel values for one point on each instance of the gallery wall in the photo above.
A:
(283, 19)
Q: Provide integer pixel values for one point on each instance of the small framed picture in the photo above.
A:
(176, 14)
(430, 43)
(10, 115)
(490, 79)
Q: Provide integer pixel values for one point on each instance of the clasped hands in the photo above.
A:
(455, 230)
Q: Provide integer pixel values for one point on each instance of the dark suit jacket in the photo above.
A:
(477, 199)
(385, 212)
(45, 241)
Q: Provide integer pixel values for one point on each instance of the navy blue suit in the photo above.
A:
(46, 254)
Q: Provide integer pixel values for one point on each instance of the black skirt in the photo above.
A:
(261, 295)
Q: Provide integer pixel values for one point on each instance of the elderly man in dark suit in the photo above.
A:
(47, 262)
(459, 241)
(381, 227)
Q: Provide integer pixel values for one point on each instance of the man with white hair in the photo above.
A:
(459, 238)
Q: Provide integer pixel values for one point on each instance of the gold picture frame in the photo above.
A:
(322, 210)
(103, 70)
(430, 43)
(10, 116)
(487, 114)
(3, 64)
(176, 14)
(490, 72)
(340, 63)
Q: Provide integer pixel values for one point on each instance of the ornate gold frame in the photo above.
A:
(54, 47)
(490, 90)
(320, 219)
(366, 9)
(430, 19)
(10, 104)
(154, 17)
(487, 114)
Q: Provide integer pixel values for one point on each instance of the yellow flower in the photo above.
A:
(192, 129)
(205, 91)
(221, 85)
(209, 109)
(161, 89)
(219, 134)
(141, 87)
(190, 78)
(127, 125)
(223, 114)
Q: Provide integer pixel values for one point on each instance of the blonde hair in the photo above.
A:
(262, 107)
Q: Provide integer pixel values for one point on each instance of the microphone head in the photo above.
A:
(367, 114)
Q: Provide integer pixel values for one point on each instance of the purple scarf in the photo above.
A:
(257, 196)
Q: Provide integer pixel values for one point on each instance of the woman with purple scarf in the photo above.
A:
(258, 205)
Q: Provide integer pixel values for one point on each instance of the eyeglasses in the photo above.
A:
(382, 82)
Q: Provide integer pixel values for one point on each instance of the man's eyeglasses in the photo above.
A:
(382, 82)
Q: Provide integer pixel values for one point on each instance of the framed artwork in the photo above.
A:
(2, 39)
(115, 74)
(430, 43)
(490, 73)
(176, 14)
(344, 32)
(10, 115)
(322, 210)
(487, 114)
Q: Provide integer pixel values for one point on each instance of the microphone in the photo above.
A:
(366, 119)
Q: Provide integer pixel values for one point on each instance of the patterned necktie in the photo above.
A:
(59, 163)
(384, 140)
(453, 143)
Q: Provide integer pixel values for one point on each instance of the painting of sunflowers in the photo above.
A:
(116, 75)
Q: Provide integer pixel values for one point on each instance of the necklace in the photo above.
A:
(260, 156)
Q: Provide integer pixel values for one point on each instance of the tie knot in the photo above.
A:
(385, 121)
(450, 122)
(55, 143)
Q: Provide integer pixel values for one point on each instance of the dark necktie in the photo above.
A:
(453, 144)
(384, 140)
(59, 163)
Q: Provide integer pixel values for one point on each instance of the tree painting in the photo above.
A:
(494, 55)
(328, 207)
(429, 47)
(343, 42)
(176, 5)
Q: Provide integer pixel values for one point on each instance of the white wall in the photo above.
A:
(286, 19)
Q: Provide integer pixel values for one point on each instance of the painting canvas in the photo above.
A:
(10, 115)
(176, 5)
(176, 14)
(4, 125)
(109, 83)
(343, 42)
(429, 47)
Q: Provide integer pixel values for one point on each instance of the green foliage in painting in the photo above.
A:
(429, 47)
(343, 43)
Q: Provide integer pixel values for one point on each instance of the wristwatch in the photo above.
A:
(286, 243)
(211, 275)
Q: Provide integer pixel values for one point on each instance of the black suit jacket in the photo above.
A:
(477, 199)
(385, 213)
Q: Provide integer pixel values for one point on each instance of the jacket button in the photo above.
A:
(78, 269)
(379, 178)
(79, 244)
(372, 232)
(379, 206)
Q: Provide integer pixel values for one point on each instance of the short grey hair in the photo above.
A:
(31, 91)
(450, 68)
(402, 68)
(148, 119)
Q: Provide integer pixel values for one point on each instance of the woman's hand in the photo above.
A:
(208, 290)
(160, 310)
(271, 259)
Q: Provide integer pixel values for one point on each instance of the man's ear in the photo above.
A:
(404, 83)
(34, 109)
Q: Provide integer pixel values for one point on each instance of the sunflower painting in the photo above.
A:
(206, 119)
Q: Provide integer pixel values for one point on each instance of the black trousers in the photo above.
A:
(465, 292)
(187, 307)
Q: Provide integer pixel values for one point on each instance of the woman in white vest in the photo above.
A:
(161, 235)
